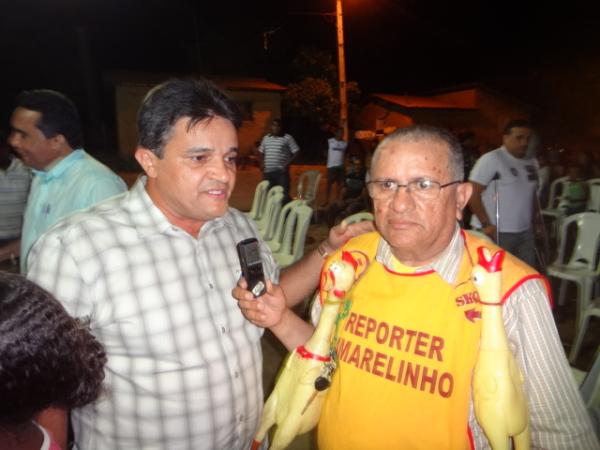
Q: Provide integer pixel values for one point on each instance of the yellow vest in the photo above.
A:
(406, 346)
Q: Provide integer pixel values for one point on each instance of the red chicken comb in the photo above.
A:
(495, 262)
(347, 256)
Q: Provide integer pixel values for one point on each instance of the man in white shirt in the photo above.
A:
(336, 149)
(504, 180)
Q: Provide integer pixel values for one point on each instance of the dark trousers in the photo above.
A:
(279, 178)
(522, 245)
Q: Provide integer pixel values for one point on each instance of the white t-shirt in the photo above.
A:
(516, 180)
(335, 152)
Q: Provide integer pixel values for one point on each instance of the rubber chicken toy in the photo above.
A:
(295, 403)
(498, 397)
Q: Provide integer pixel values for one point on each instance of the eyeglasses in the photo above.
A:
(421, 188)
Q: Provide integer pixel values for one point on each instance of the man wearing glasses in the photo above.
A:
(407, 338)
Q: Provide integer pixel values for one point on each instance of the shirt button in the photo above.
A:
(223, 330)
(210, 285)
(236, 374)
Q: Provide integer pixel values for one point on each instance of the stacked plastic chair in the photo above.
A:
(580, 267)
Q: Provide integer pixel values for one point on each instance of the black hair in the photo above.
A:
(175, 99)
(58, 114)
(47, 358)
(516, 123)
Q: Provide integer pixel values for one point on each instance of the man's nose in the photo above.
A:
(402, 200)
(220, 170)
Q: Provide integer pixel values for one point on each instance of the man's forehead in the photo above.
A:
(190, 124)
(425, 149)
(415, 146)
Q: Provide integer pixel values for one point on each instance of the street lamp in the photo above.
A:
(342, 69)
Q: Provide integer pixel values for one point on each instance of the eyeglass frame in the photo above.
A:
(408, 191)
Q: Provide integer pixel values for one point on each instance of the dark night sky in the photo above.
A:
(395, 46)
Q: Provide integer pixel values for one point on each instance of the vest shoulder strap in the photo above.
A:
(514, 271)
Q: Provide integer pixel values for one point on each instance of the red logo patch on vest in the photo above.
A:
(472, 315)
(465, 301)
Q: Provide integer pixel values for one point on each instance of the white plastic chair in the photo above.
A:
(271, 211)
(582, 267)
(260, 195)
(275, 239)
(593, 204)
(558, 189)
(592, 310)
(589, 382)
(308, 184)
(359, 217)
(294, 235)
(589, 388)
(557, 205)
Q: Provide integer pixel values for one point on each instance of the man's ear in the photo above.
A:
(148, 160)
(59, 144)
(463, 194)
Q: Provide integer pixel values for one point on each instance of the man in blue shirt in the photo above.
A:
(46, 134)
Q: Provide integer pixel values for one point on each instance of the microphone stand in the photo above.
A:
(497, 205)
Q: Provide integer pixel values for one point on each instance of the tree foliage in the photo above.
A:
(314, 95)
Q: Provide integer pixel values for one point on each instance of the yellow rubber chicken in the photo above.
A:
(295, 403)
(498, 397)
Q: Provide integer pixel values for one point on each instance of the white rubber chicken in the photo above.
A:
(295, 403)
(498, 397)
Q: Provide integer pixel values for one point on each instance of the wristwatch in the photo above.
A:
(322, 250)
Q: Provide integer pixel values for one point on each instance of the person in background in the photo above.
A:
(14, 187)
(354, 194)
(278, 149)
(577, 190)
(336, 150)
(47, 360)
(46, 134)
(507, 177)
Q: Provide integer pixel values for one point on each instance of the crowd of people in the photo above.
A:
(131, 326)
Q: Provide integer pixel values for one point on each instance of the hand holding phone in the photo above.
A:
(252, 269)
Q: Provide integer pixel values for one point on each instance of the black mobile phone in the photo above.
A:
(252, 268)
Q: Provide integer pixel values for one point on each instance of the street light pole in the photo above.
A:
(342, 69)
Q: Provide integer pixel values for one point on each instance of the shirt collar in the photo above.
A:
(58, 169)
(149, 220)
(446, 264)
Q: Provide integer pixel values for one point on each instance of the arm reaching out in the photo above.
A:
(299, 280)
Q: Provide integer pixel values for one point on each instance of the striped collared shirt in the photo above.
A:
(277, 151)
(184, 366)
